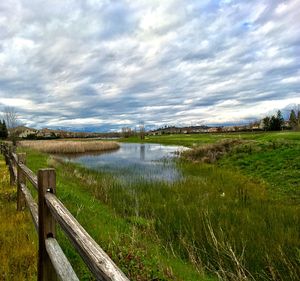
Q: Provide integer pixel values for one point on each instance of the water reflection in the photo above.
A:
(142, 152)
(134, 162)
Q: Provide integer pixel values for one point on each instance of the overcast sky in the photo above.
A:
(108, 64)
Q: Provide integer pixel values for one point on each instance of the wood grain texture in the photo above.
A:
(95, 258)
(33, 207)
(29, 175)
(46, 183)
(59, 261)
(21, 180)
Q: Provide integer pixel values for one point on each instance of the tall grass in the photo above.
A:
(18, 247)
(217, 220)
(70, 146)
(130, 241)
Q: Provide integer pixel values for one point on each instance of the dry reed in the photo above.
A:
(210, 153)
(70, 146)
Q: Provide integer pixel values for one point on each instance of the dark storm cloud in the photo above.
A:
(108, 64)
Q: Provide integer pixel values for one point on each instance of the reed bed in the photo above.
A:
(70, 146)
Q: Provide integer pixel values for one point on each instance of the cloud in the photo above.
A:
(107, 64)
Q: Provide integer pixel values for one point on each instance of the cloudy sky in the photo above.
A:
(103, 64)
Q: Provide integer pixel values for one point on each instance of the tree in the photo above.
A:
(4, 130)
(293, 119)
(266, 122)
(273, 123)
(142, 130)
(280, 118)
(11, 119)
(276, 122)
(126, 132)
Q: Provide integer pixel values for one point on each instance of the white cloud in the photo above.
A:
(114, 63)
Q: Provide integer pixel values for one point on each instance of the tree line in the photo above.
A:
(276, 122)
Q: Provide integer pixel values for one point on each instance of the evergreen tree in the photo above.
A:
(5, 131)
(266, 122)
(279, 121)
(274, 123)
(293, 119)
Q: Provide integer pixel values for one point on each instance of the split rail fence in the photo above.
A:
(46, 213)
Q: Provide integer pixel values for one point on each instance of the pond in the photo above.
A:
(134, 162)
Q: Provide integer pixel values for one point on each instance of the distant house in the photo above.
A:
(45, 133)
(229, 129)
(24, 132)
(214, 129)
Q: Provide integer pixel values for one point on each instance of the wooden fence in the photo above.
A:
(52, 263)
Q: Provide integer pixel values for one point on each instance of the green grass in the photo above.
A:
(235, 219)
(215, 220)
(190, 140)
(277, 163)
(130, 241)
(18, 247)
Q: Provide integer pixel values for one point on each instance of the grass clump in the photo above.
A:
(210, 153)
(18, 241)
(51, 146)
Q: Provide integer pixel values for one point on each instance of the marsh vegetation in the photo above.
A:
(235, 219)
(70, 146)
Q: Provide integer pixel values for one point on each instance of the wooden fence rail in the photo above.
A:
(52, 262)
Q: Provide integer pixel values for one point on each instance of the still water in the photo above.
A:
(134, 162)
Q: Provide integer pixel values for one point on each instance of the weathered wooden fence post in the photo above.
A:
(21, 179)
(46, 183)
(5, 154)
(10, 167)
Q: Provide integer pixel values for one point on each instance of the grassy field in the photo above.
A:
(17, 235)
(276, 163)
(190, 140)
(235, 219)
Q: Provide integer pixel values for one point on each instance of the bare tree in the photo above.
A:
(11, 119)
(142, 130)
(127, 132)
(294, 118)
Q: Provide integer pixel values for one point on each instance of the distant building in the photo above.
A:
(24, 132)
(214, 130)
